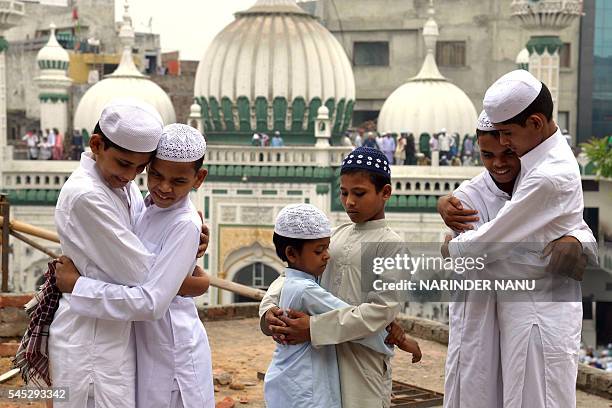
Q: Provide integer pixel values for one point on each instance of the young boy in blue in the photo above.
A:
(301, 375)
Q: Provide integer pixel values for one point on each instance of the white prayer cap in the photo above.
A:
(510, 95)
(484, 123)
(443, 130)
(181, 143)
(302, 221)
(132, 124)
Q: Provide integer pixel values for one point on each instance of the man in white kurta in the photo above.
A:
(473, 369)
(95, 359)
(540, 338)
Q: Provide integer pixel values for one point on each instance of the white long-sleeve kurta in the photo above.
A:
(94, 223)
(547, 204)
(171, 342)
(365, 375)
(303, 376)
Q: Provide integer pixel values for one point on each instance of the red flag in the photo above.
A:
(75, 14)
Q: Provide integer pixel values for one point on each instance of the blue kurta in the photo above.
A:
(301, 375)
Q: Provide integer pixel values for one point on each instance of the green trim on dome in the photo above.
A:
(53, 64)
(4, 44)
(539, 44)
(231, 123)
(228, 115)
(322, 189)
(244, 114)
(53, 97)
(297, 114)
(279, 109)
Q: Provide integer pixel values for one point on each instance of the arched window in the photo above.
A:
(256, 275)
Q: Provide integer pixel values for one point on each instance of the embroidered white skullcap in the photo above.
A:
(181, 143)
(484, 123)
(132, 124)
(510, 95)
(302, 221)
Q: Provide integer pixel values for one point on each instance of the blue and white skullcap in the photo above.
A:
(368, 159)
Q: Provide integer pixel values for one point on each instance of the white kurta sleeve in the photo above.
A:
(113, 248)
(271, 299)
(151, 300)
(316, 300)
(533, 206)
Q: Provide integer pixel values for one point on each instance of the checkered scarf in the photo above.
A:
(32, 357)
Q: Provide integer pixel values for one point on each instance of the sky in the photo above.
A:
(188, 26)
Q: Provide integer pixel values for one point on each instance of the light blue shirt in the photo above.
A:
(302, 376)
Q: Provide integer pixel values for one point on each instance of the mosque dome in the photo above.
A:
(428, 102)
(271, 69)
(53, 55)
(522, 59)
(126, 81)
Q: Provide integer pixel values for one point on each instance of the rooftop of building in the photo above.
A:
(240, 350)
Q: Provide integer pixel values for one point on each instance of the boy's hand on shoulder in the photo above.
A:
(296, 330)
(454, 215)
(66, 274)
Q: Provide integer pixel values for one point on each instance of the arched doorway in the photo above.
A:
(257, 275)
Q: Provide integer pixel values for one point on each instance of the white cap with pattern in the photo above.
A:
(181, 143)
(132, 124)
(302, 221)
(510, 95)
(484, 123)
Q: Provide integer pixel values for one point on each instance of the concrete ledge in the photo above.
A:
(594, 381)
(229, 312)
(424, 328)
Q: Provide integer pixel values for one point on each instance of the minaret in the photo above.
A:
(11, 13)
(545, 18)
(53, 84)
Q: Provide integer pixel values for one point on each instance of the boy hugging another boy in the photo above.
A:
(365, 374)
(301, 375)
(174, 368)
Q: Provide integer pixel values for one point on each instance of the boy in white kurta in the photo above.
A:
(539, 338)
(301, 375)
(473, 368)
(174, 361)
(365, 375)
(96, 210)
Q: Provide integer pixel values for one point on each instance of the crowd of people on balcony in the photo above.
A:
(404, 149)
(49, 144)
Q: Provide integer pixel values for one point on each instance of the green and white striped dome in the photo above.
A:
(271, 69)
(53, 55)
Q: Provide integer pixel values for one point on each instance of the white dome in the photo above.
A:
(126, 81)
(275, 49)
(53, 52)
(522, 57)
(91, 104)
(428, 101)
(427, 106)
